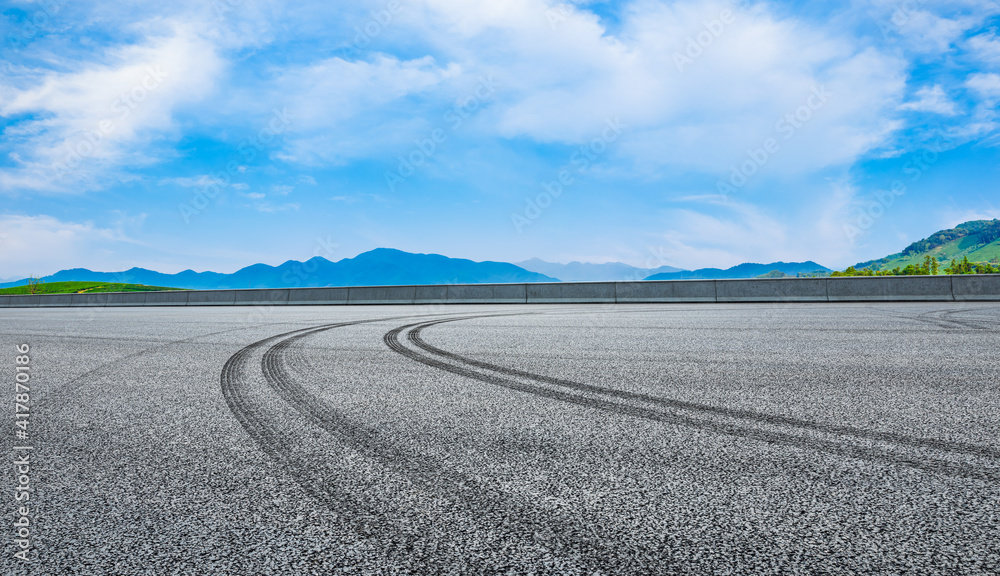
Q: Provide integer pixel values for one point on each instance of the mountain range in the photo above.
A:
(379, 267)
(386, 267)
(587, 272)
(747, 270)
(979, 240)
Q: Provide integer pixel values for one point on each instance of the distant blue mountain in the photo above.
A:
(586, 272)
(742, 271)
(379, 267)
(388, 267)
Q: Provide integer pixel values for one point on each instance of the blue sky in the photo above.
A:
(215, 134)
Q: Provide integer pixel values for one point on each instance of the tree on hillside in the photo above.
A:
(960, 267)
(930, 265)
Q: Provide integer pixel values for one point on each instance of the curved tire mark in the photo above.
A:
(563, 535)
(578, 398)
(352, 512)
(760, 417)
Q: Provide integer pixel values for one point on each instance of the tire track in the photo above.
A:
(349, 510)
(414, 336)
(585, 543)
(576, 393)
(943, 319)
(77, 381)
(505, 520)
(970, 323)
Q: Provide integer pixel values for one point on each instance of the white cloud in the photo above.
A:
(41, 245)
(81, 120)
(827, 234)
(931, 33)
(931, 99)
(984, 119)
(128, 224)
(341, 108)
(268, 207)
(560, 82)
(926, 27)
(721, 232)
(986, 47)
(200, 181)
(557, 81)
(725, 233)
(985, 85)
(560, 76)
(259, 202)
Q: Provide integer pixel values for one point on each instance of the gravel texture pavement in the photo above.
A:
(598, 439)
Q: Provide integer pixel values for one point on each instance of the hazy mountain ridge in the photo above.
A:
(587, 272)
(379, 267)
(388, 267)
(746, 270)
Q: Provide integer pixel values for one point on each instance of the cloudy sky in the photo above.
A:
(213, 134)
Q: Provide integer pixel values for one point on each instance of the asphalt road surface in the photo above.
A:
(619, 439)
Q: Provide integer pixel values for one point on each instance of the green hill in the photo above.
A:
(80, 288)
(978, 240)
(774, 274)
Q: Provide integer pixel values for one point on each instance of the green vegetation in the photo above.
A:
(774, 274)
(966, 267)
(977, 240)
(36, 287)
(929, 266)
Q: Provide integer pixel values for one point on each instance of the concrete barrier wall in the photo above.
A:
(571, 292)
(98, 299)
(381, 294)
(306, 296)
(126, 299)
(179, 298)
(487, 294)
(267, 297)
(56, 300)
(211, 297)
(23, 301)
(849, 289)
(969, 287)
(772, 290)
(889, 288)
(679, 291)
(431, 295)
